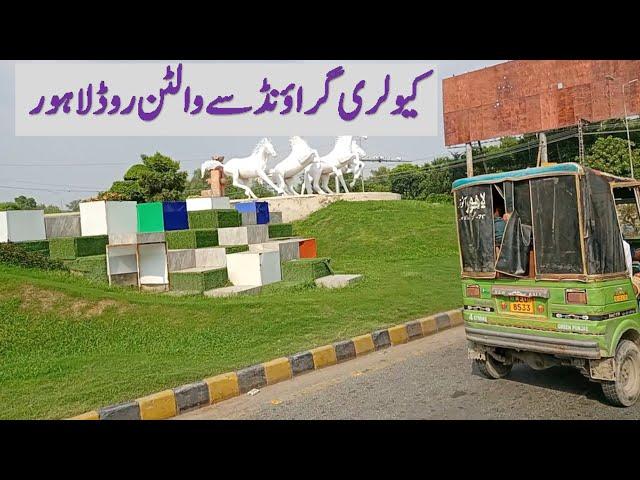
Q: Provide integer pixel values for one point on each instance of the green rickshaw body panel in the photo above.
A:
(601, 319)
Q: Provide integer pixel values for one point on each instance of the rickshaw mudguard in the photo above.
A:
(625, 327)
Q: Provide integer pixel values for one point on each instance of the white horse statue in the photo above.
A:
(286, 171)
(355, 166)
(244, 170)
(333, 162)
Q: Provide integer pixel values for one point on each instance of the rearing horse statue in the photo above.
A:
(244, 170)
(285, 172)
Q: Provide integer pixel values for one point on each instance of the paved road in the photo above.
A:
(429, 378)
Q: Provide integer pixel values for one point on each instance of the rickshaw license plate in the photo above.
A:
(620, 297)
(521, 305)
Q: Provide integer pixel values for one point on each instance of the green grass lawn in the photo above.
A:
(68, 346)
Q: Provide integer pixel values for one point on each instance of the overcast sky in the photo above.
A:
(51, 183)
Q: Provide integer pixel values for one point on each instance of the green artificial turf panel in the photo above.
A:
(40, 246)
(305, 269)
(69, 248)
(179, 239)
(214, 219)
(68, 346)
(150, 217)
(198, 281)
(229, 249)
(280, 230)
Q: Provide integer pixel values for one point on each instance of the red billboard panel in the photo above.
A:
(528, 96)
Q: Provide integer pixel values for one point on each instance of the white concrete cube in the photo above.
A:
(249, 218)
(181, 259)
(108, 218)
(246, 235)
(275, 217)
(289, 249)
(208, 203)
(214, 257)
(134, 238)
(254, 268)
(152, 264)
(22, 226)
(62, 225)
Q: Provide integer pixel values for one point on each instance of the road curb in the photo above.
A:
(172, 402)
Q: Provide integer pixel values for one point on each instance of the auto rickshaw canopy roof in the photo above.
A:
(568, 168)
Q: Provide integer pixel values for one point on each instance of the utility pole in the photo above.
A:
(469, 160)
(626, 122)
(580, 142)
(543, 158)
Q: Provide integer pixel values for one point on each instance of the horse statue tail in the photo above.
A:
(210, 165)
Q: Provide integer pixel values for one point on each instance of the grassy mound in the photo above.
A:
(68, 346)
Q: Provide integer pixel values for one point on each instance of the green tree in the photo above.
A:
(157, 178)
(163, 180)
(25, 203)
(611, 155)
(73, 206)
(436, 179)
(405, 180)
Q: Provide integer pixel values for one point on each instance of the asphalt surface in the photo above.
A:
(430, 378)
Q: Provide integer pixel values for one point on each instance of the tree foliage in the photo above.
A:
(157, 178)
(611, 155)
(28, 203)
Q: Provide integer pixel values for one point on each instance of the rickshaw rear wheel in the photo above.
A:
(625, 390)
(492, 368)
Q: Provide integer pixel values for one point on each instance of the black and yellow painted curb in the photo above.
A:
(169, 403)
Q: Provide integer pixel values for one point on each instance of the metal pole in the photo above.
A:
(626, 123)
(469, 160)
(544, 159)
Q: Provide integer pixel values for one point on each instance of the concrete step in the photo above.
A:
(233, 291)
(337, 281)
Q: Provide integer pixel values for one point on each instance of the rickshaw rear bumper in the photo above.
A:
(534, 343)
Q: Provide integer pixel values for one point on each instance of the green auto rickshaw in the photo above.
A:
(556, 288)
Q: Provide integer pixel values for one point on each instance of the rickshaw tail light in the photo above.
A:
(473, 291)
(576, 296)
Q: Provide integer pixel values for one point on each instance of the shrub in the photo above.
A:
(439, 198)
(14, 254)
